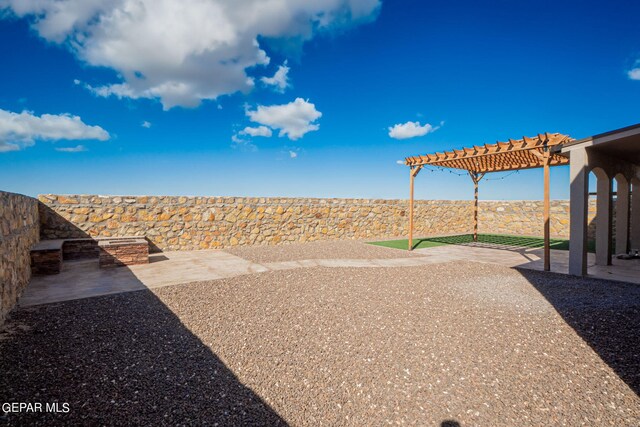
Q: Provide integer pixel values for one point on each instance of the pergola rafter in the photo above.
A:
(542, 150)
(501, 156)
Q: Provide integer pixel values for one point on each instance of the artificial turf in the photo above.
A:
(492, 239)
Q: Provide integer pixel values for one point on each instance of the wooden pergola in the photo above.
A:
(541, 151)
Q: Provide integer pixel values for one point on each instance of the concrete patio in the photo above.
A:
(620, 270)
(83, 279)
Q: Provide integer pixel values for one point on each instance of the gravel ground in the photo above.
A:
(349, 249)
(473, 344)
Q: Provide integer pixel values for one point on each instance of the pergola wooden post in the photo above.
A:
(545, 158)
(475, 177)
(547, 217)
(413, 172)
(542, 150)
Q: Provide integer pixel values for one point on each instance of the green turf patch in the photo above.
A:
(403, 243)
(490, 239)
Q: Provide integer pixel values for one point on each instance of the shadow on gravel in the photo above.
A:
(124, 359)
(605, 314)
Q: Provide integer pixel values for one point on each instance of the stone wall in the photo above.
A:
(525, 217)
(19, 227)
(185, 223)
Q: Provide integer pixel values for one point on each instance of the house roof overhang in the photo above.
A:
(621, 143)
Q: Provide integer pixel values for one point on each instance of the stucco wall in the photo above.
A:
(19, 228)
(184, 223)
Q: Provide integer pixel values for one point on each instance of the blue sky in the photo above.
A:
(80, 79)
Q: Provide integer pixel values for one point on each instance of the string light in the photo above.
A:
(503, 176)
(441, 169)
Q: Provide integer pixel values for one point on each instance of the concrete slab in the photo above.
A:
(83, 278)
(620, 270)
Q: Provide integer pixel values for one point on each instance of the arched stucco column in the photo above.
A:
(634, 215)
(622, 214)
(603, 217)
(579, 197)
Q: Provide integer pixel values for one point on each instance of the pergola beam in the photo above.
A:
(494, 152)
(515, 165)
(526, 153)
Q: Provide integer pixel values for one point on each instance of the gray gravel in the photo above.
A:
(470, 343)
(349, 249)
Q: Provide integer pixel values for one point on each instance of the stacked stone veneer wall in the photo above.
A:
(185, 223)
(19, 227)
(526, 217)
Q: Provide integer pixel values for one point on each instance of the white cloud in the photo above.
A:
(243, 144)
(146, 124)
(411, 130)
(238, 140)
(121, 90)
(5, 146)
(280, 79)
(400, 162)
(293, 154)
(19, 130)
(257, 131)
(183, 52)
(293, 120)
(76, 149)
(634, 74)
